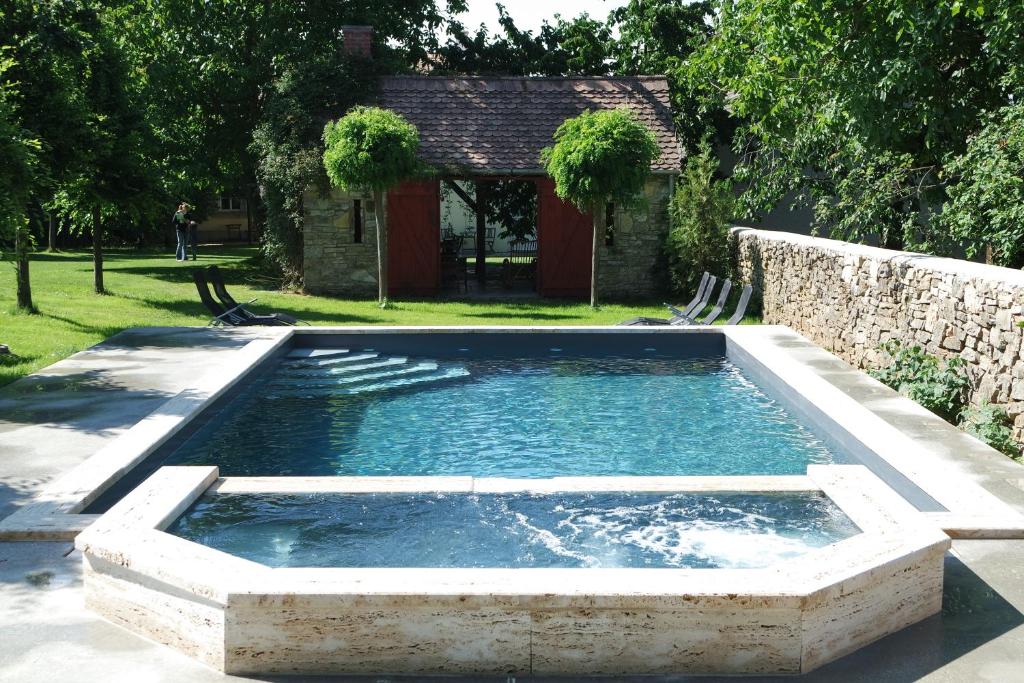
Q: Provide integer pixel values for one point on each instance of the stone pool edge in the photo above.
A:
(242, 617)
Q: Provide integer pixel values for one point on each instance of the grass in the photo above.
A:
(150, 289)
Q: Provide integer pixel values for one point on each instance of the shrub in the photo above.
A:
(698, 239)
(992, 425)
(941, 387)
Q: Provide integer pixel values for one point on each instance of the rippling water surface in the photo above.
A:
(368, 414)
(516, 530)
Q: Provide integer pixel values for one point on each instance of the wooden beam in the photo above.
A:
(457, 189)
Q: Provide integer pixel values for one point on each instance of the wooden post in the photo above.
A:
(481, 231)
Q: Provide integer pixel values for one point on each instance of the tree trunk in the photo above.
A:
(481, 232)
(598, 216)
(51, 233)
(97, 251)
(381, 216)
(21, 253)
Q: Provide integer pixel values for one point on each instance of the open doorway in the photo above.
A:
(489, 237)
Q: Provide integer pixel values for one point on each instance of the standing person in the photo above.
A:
(193, 236)
(180, 222)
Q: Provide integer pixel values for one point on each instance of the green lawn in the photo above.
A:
(154, 289)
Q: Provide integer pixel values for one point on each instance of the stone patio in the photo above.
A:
(51, 421)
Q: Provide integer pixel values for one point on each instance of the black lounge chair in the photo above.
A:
(216, 279)
(225, 316)
(741, 306)
(697, 304)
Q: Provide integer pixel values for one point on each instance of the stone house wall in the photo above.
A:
(333, 262)
(629, 267)
(850, 298)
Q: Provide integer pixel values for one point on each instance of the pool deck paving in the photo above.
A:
(53, 420)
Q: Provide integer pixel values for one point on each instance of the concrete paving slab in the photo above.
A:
(54, 419)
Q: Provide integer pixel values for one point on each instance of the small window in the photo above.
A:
(357, 221)
(609, 225)
(229, 203)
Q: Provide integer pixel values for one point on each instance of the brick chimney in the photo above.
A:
(358, 40)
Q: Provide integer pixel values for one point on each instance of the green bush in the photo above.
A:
(941, 387)
(698, 239)
(992, 425)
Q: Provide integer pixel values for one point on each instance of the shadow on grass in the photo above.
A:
(524, 315)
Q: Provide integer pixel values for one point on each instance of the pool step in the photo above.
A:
(316, 353)
(386, 374)
(326, 375)
(450, 373)
(355, 373)
(349, 358)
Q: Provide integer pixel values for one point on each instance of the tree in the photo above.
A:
(372, 149)
(854, 108)
(698, 240)
(17, 175)
(600, 157)
(986, 201)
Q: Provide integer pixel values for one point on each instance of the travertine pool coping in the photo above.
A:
(243, 617)
(955, 503)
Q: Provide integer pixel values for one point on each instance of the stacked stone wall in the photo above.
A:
(851, 298)
(628, 268)
(333, 262)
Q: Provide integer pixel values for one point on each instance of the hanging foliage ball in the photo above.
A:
(600, 156)
(370, 149)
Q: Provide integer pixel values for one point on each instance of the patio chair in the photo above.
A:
(521, 263)
(741, 306)
(216, 279)
(707, 281)
(454, 266)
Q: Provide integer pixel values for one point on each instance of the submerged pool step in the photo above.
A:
(450, 373)
(347, 375)
(326, 375)
(316, 353)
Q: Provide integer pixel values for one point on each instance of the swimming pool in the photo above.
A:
(639, 406)
(569, 530)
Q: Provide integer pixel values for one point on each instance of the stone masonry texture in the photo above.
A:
(335, 264)
(850, 299)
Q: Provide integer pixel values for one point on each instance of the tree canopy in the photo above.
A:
(857, 108)
(600, 157)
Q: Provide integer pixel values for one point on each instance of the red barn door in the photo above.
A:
(414, 238)
(564, 240)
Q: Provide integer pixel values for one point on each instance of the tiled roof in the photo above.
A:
(497, 125)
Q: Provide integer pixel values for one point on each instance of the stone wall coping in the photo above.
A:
(185, 586)
(961, 268)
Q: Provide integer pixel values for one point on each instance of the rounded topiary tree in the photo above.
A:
(600, 157)
(372, 149)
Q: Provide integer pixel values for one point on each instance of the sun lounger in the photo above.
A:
(216, 279)
(697, 304)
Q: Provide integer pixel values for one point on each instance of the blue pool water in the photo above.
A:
(369, 413)
(704, 530)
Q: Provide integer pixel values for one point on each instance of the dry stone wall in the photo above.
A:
(850, 298)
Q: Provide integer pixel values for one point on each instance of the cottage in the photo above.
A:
(476, 130)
